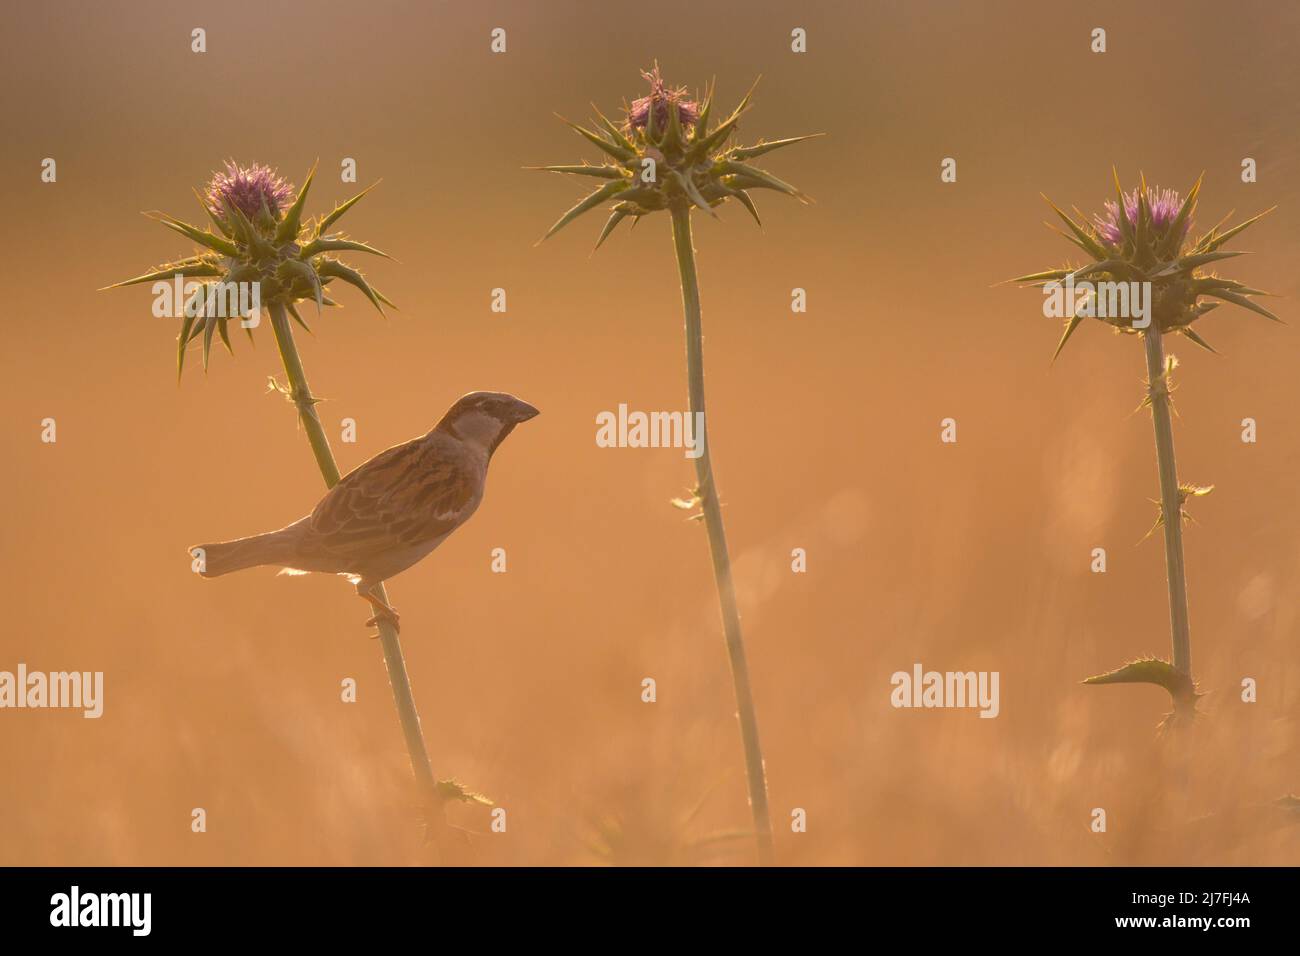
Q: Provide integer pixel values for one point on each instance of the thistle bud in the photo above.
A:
(692, 164)
(261, 238)
(256, 191)
(662, 100)
(1141, 239)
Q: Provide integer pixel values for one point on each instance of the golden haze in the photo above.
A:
(224, 694)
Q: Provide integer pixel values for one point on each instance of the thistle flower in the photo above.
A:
(1147, 242)
(665, 153)
(1164, 205)
(1142, 240)
(261, 237)
(665, 157)
(248, 190)
(662, 99)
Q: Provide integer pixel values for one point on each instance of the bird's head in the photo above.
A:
(486, 418)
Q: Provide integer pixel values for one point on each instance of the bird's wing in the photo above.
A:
(410, 494)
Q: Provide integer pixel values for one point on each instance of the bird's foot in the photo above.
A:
(383, 611)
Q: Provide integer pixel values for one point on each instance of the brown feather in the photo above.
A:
(394, 509)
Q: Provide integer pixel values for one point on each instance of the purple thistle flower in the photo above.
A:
(246, 188)
(1163, 203)
(662, 98)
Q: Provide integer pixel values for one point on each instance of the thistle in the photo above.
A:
(1142, 238)
(259, 237)
(665, 157)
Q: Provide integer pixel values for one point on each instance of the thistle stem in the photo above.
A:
(300, 394)
(708, 495)
(1170, 503)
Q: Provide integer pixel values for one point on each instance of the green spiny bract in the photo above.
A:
(261, 238)
(1152, 670)
(666, 154)
(1144, 239)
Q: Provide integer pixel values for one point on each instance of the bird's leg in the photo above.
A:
(383, 611)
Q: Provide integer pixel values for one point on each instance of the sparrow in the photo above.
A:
(390, 512)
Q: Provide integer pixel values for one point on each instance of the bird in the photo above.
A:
(391, 511)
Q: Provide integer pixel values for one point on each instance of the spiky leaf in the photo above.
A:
(744, 199)
(336, 269)
(597, 172)
(328, 244)
(758, 149)
(615, 218)
(621, 153)
(761, 178)
(1151, 670)
(1085, 241)
(191, 270)
(588, 203)
(292, 221)
(454, 790)
(1244, 302)
(1216, 240)
(201, 236)
(340, 209)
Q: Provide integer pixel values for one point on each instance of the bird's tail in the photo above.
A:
(222, 557)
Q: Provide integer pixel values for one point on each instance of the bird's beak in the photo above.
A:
(524, 411)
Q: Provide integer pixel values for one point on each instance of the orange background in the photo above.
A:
(825, 429)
